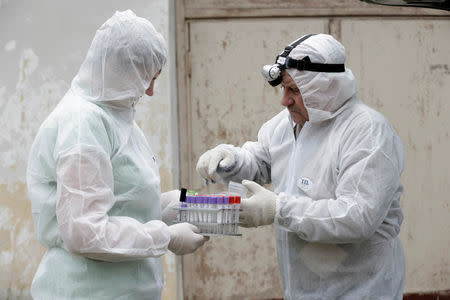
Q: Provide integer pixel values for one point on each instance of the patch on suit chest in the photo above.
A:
(304, 183)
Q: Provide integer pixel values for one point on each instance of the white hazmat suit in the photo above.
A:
(338, 187)
(93, 180)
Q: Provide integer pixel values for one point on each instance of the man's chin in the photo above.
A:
(295, 118)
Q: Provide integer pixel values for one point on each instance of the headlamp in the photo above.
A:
(273, 72)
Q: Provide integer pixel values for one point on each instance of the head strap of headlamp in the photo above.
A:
(305, 64)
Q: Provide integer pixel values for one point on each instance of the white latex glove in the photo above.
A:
(217, 159)
(184, 239)
(169, 200)
(260, 208)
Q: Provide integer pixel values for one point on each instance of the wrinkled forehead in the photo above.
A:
(287, 79)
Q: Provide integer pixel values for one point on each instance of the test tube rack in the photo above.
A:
(214, 215)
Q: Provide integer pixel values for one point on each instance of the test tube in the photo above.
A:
(202, 213)
(204, 204)
(226, 208)
(190, 217)
(207, 214)
(237, 206)
(220, 215)
(183, 212)
(182, 199)
(197, 213)
(230, 214)
(231, 225)
(180, 212)
(192, 210)
(212, 217)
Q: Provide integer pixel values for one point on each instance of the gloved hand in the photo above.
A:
(184, 239)
(169, 200)
(217, 159)
(260, 208)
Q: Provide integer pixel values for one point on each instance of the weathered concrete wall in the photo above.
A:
(42, 44)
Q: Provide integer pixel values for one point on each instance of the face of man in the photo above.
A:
(149, 91)
(292, 99)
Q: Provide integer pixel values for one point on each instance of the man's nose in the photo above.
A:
(286, 100)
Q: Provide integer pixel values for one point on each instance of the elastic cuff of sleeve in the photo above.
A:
(273, 209)
(280, 203)
(162, 239)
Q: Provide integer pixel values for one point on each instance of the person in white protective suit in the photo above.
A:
(335, 165)
(94, 182)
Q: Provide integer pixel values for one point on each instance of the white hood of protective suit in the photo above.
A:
(125, 55)
(324, 94)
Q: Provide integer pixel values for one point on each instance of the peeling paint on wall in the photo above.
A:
(28, 64)
(440, 67)
(20, 252)
(11, 45)
(34, 80)
(22, 113)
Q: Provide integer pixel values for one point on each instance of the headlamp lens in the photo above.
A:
(271, 72)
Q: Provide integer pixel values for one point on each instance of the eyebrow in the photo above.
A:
(291, 85)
